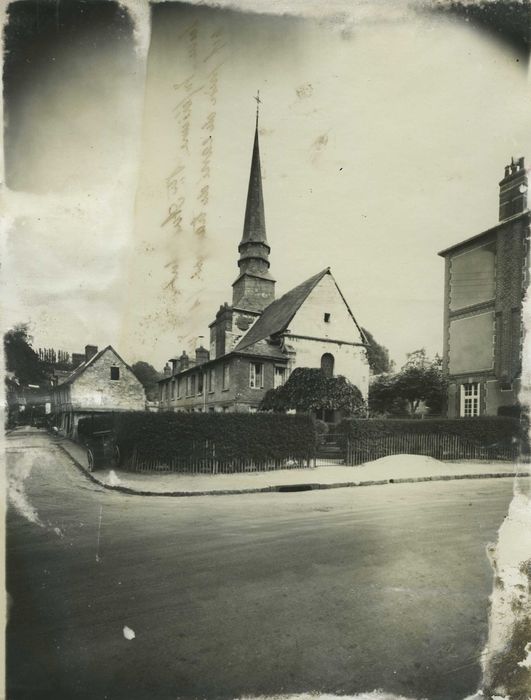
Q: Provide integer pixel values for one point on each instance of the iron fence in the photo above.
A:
(438, 446)
(203, 460)
(332, 449)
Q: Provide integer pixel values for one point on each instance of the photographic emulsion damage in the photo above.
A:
(266, 370)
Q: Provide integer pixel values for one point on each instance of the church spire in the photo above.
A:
(254, 225)
(254, 288)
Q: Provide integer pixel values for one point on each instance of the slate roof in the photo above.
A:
(262, 349)
(254, 229)
(491, 230)
(276, 317)
(82, 367)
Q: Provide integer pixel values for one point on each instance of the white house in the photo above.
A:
(104, 382)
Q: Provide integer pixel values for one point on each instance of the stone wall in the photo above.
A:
(324, 324)
(94, 387)
(349, 361)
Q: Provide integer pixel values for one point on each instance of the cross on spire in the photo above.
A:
(258, 103)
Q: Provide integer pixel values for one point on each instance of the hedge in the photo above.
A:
(165, 436)
(483, 430)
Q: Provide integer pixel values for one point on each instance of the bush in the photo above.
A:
(485, 430)
(321, 429)
(514, 411)
(226, 436)
(309, 389)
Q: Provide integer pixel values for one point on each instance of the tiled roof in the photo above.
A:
(276, 317)
(82, 367)
(262, 349)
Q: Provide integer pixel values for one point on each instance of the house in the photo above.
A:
(486, 278)
(258, 340)
(103, 382)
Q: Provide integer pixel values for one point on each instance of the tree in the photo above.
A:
(419, 380)
(308, 389)
(21, 358)
(377, 355)
(148, 376)
(383, 397)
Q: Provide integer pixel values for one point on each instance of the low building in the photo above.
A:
(486, 278)
(257, 341)
(103, 382)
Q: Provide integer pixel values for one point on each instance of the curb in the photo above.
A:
(287, 488)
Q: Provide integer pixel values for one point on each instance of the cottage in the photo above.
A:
(103, 382)
(258, 340)
(486, 278)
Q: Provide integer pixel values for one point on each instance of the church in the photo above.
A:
(258, 340)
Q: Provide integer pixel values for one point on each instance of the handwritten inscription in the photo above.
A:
(188, 184)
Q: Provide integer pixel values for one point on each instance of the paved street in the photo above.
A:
(341, 591)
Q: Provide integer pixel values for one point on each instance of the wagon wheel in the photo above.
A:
(90, 460)
(115, 460)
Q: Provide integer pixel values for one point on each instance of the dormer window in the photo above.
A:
(115, 373)
(327, 318)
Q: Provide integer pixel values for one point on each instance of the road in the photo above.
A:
(339, 591)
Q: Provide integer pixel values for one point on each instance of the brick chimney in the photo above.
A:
(201, 355)
(90, 351)
(513, 189)
(167, 370)
(77, 359)
(184, 361)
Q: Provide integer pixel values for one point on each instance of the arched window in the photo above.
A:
(327, 364)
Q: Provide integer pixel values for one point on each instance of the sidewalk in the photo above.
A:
(393, 469)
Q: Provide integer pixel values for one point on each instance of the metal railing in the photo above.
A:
(438, 446)
(203, 460)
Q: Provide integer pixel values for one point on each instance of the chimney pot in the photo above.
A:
(513, 189)
(201, 355)
(90, 351)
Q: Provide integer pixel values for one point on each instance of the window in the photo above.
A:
(327, 364)
(327, 318)
(211, 409)
(200, 383)
(470, 400)
(256, 375)
(281, 374)
(115, 373)
(226, 375)
(179, 387)
(173, 389)
(211, 382)
(192, 384)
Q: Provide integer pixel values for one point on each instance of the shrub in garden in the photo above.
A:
(487, 431)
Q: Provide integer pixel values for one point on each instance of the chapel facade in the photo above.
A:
(257, 340)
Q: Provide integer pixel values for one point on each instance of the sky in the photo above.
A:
(127, 158)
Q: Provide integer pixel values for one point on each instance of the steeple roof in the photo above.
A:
(254, 230)
(277, 316)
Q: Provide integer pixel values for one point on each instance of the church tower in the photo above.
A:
(254, 288)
